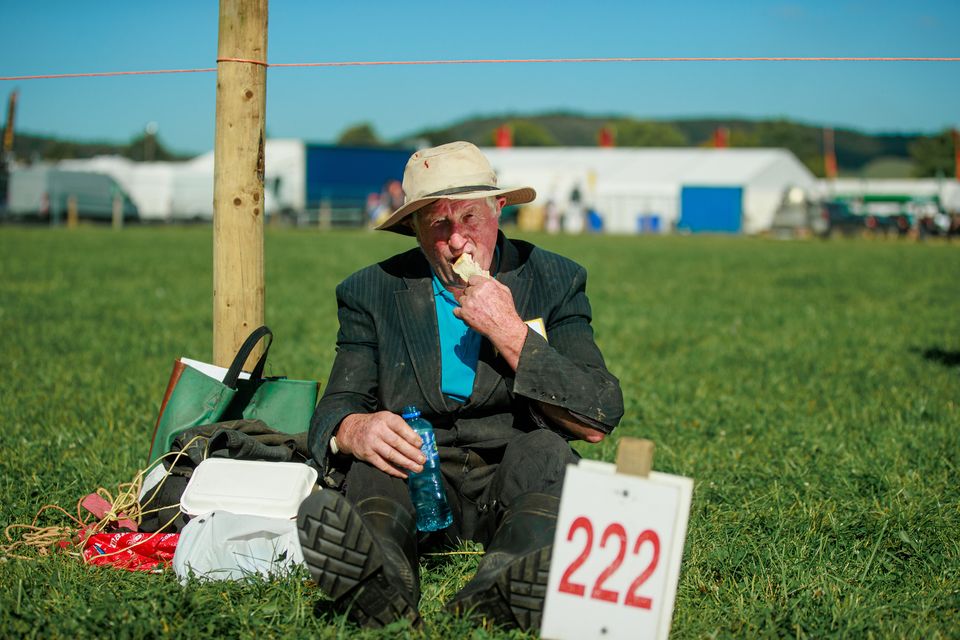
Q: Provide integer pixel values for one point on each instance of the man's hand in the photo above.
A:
(487, 307)
(563, 419)
(384, 440)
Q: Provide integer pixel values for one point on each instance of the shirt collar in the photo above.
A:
(441, 291)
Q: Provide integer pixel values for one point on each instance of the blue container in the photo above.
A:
(648, 223)
(711, 209)
(594, 221)
(426, 487)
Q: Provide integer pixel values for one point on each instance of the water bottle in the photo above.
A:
(426, 487)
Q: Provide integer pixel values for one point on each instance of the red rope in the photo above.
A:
(104, 74)
(560, 60)
(383, 63)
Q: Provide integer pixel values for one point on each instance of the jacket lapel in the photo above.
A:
(418, 323)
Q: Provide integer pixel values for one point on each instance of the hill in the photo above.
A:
(143, 147)
(856, 152)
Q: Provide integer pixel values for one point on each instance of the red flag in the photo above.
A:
(956, 153)
(504, 136)
(605, 137)
(721, 138)
(829, 154)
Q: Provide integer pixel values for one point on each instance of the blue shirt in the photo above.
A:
(459, 346)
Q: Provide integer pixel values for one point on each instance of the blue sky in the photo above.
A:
(47, 36)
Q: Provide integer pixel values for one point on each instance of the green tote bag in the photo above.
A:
(194, 398)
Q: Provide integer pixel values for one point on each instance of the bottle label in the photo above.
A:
(429, 449)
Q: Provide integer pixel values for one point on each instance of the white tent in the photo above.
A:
(184, 190)
(284, 181)
(625, 185)
(286, 173)
(193, 190)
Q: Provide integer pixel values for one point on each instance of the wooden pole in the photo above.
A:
(325, 215)
(8, 129)
(73, 214)
(635, 456)
(238, 280)
(118, 211)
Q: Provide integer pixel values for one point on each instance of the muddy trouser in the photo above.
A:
(480, 485)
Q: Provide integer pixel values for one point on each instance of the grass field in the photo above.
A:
(812, 390)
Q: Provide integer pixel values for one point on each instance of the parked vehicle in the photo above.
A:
(42, 193)
(887, 214)
(838, 219)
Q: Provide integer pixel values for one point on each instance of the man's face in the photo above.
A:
(447, 229)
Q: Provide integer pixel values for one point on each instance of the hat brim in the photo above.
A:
(397, 222)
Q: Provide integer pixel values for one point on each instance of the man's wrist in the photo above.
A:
(340, 439)
(336, 445)
(512, 346)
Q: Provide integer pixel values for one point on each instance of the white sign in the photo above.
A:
(616, 554)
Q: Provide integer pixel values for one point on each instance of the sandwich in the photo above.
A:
(466, 267)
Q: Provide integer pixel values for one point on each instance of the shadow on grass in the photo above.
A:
(936, 354)
(324, 607)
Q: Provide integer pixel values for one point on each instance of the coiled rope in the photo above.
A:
(125, 506)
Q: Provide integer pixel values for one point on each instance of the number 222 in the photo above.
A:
(598, 592)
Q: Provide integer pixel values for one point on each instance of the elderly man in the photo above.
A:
(506, 369)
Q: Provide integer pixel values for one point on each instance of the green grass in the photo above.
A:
(811, 389)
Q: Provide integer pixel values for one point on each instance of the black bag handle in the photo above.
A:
(233, 373)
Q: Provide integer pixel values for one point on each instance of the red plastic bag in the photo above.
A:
(131, 551)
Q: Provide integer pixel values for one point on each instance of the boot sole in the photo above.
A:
(516, 599)
(346, 563)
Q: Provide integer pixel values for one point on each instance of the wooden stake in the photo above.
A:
(635, 456)
(325, 215)
(73, 214)
(117, 211)
(238, 280)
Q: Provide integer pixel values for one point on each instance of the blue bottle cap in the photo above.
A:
(410, 412)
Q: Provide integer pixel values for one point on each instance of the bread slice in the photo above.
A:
(465, 267)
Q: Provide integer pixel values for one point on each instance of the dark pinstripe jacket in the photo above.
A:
(388, 353)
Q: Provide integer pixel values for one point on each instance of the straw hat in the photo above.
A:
(456, 171)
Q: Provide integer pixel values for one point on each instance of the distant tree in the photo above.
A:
(637, 133)
(147, 147)
(805, 142)
(740, 137)
(886, 167)
(359, 135)
(526, 134)
(60, 150)
(933, 155)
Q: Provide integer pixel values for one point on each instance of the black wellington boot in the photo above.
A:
(511, 580)
(363, 556)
